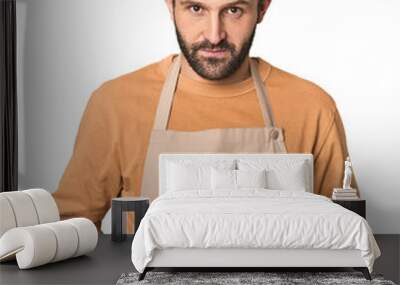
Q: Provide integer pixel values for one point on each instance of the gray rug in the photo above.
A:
(269, 278)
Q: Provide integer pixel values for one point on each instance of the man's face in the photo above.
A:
(215, 36)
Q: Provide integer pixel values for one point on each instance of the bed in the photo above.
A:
(247, 210)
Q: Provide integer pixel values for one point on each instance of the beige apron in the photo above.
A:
(228, 140)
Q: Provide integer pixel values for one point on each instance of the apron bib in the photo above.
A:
(227, 140)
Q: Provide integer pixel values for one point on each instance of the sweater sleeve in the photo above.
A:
(329, 159)
(92, 176)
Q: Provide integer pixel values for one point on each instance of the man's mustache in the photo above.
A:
(208, 45)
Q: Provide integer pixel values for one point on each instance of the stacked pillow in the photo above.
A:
(279, 174)
(236, 179)
(193, 174)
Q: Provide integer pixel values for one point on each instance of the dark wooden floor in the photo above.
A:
(389, 262)
(110, 260)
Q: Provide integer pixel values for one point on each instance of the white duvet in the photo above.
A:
(250, 218)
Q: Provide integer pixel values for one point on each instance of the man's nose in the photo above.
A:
(215, 30)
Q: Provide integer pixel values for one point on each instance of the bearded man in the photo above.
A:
(211, 97)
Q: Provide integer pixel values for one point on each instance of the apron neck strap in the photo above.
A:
(262, 94)
(167, 94)
(168, 91)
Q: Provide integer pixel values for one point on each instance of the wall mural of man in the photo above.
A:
(211, 97)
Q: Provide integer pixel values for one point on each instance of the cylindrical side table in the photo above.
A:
(119, 205)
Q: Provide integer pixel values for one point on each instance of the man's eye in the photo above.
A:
(234, 10)
(195, 9)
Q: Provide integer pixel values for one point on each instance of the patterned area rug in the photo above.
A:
(242, 278)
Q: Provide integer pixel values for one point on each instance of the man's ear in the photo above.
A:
(263, 10)
(170, 5)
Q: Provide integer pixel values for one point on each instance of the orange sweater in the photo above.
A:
(111, 144)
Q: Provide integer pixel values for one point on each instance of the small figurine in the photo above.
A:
(347, 174)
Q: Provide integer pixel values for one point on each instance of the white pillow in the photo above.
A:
(281, 174)
(251, 178)
(193, 174)
(288, 179)
(223, 179)
(237, 179)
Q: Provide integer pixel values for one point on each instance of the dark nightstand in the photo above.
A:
(357, 206)
(119, 206)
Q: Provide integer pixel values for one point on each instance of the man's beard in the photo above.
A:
(212, 68)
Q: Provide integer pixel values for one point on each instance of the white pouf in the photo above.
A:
(27, 208)
(46, 207)
(40, 244)
(23, 208)
(7, 220)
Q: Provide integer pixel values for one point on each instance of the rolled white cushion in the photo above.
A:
(87, 234)
(33, 245)
(46, 207)
(23, 208)
(40, 244)
(27, 208)
(7, 218)
(67, 239)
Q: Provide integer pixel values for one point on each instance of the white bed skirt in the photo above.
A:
(236, 257)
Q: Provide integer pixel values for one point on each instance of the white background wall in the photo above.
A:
(67, 48)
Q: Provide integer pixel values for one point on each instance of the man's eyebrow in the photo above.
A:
(187, 2)
(237, 2)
